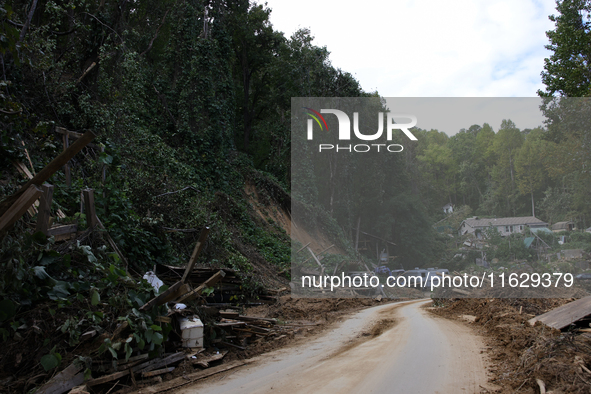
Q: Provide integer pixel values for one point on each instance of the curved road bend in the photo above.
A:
(421, 353)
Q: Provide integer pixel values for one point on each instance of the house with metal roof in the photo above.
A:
(505, 226)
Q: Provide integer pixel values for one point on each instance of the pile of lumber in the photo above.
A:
(229, 285)
(241, 331)
(139, 370)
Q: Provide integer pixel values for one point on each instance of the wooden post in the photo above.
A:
(196, 251)
(49, 169)
(44, 208)
(89, 207)
(19, 207)
(67, 165)
(315, 258)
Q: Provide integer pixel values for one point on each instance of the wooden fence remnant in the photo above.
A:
(198, 247)
(19, 207)
(48, 170)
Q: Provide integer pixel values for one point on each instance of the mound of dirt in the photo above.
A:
(522, 354)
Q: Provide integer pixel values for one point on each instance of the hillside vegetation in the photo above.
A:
(191, 105)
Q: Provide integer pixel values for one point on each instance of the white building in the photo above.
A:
(505, 226)
(448, 208)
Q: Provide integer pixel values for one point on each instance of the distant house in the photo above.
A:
(448, 208)
(505, 226)
(563, 226)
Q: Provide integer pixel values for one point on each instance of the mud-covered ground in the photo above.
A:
(521, 354)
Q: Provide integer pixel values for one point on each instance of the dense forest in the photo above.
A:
(196, 96)
(181, 94)
(191, 102)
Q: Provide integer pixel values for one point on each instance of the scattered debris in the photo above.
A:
(189, 378)
(63, 381)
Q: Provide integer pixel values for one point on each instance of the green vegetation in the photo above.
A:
(191, 102)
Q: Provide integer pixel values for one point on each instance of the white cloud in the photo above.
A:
(429, 48)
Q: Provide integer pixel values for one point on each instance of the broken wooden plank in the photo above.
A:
(25, 171)
(63, 229)
(159, 363)
(181, 291)
(229, 315)
(198, 247)
(135, 358)
(49, 169)
(565, 315)
(303, 247)
(74, 135)
(230, 324)
(210, 282)
(107, 378)
(44, 208)
(186, 379)
(319, 254)
(63, 381)
(157, 372)
(315, 258)
(19, 207)
(254, 319)
(159, 300)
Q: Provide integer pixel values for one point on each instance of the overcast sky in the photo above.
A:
(429, 48)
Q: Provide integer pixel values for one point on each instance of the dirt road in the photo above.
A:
(393, 348)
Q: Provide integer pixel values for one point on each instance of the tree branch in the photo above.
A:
(155, 35)
(27, 23)
(177, 191)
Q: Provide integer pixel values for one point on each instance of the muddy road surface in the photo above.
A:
(392, 348)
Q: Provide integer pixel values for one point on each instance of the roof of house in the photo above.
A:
(559, 225)
(526, 220)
